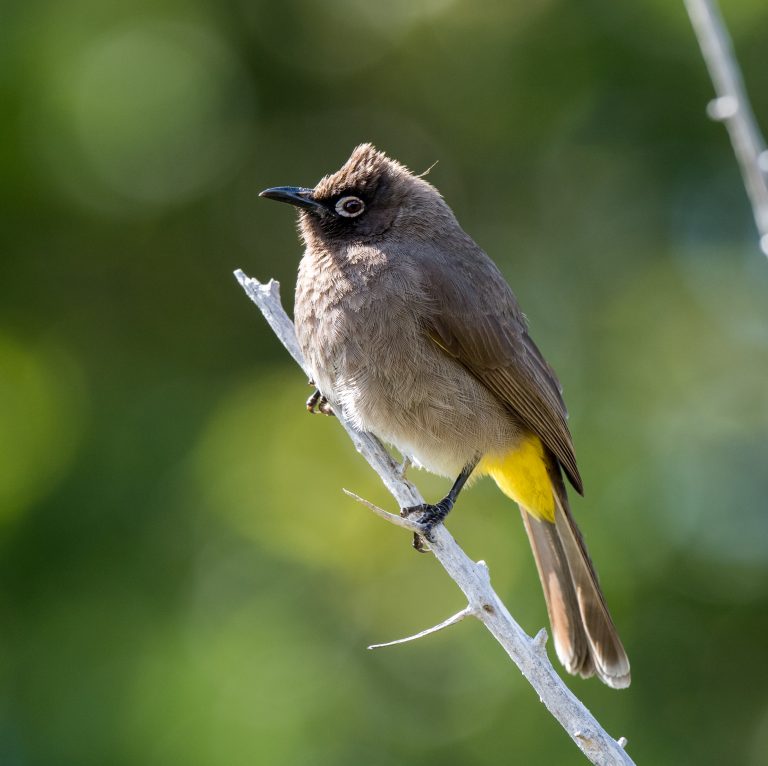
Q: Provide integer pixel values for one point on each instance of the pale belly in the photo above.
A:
(369, 355)
(419, 400)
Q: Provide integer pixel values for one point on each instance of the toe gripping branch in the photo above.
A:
(318, 403)
(428, 516)
(432, 515)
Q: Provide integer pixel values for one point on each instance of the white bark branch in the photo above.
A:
(527, 653)
(732, 107)
(467, 611)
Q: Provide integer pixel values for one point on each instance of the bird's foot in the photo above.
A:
(318, 403)
(430, 517)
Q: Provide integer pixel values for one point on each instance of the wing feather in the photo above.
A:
(476, 320)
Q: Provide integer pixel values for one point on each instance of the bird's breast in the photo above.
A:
(369, 354)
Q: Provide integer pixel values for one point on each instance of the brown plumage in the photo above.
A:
(410, 329)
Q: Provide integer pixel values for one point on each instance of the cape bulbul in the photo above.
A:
(410, 329)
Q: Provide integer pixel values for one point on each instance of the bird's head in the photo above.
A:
(371, 196)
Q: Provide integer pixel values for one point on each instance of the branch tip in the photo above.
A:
(539, 641)
(458, 617)
(392, 518)
(483, 571)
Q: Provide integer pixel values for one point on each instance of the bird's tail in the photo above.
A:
(585, 638)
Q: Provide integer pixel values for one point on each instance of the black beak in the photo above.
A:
(295, 195)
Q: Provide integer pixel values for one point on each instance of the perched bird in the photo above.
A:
(410, 330)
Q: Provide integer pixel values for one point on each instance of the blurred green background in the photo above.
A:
(181, 579)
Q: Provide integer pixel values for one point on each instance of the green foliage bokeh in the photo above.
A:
(181, 579)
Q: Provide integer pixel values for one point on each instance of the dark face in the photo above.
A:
(369, 196)
(358, 210)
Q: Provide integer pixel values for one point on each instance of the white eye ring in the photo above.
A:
(350, 207)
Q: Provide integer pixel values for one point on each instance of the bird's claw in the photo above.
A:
(419, 543)
(318, 403)
(430, 517)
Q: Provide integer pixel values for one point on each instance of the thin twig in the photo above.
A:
(732, 107)
(472, 577)
(392, 518)
(452, 620)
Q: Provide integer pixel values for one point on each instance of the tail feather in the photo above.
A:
(610, 658)
(571, 643)
(586, 640)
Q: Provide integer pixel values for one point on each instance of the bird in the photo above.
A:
(411, 332)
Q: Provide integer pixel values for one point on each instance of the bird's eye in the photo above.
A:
(350, 207)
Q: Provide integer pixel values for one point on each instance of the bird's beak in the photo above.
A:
(295, 195)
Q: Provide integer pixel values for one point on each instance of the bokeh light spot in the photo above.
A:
(273, 483)
(332, 39)
(41, 411)
(151, 113)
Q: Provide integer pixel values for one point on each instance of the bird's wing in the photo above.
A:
(475, 319)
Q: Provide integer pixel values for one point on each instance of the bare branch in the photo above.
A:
(392, 518)
(473, 579)
(452, 620)
(732, 107)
